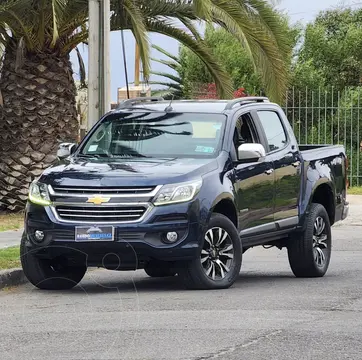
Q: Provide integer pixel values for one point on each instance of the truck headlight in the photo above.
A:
(177, 193)
(38, 194)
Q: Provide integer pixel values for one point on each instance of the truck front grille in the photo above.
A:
(85, 191)
(99, 214)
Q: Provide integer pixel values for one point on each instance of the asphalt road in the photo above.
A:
(267, 314)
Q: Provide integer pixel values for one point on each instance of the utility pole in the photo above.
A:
(99, 92)
(137, 66)
(139, 89)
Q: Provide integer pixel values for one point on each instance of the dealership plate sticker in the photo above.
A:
(94, 233)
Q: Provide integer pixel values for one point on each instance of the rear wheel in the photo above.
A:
(159, 269)
(219, 262)
(310, 253)
(49, 274)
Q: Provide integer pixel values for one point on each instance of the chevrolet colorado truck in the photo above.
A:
(184, 188)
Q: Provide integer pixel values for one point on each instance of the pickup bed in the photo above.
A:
(184, 188)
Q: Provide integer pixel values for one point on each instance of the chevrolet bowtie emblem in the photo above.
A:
(98, 200)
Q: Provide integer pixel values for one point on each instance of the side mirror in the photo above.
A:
(251, 152)
(65, 150)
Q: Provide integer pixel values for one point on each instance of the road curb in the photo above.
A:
(12, 277)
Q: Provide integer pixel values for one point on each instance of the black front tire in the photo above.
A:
(160, 269)
(194, 273)
(309, 256)
(49, 274)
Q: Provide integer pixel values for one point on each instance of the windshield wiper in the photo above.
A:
(131, 156)
(122, 155)
(93, 156)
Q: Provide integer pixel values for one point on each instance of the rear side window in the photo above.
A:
(274, 130)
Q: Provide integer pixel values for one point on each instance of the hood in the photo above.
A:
(126, 172)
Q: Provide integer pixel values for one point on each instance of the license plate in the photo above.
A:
(94, 233)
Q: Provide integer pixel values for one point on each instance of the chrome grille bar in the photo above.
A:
(99, 216)
(115, 192)
(103, 211)
(103, 190)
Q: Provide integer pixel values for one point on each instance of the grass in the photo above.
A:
(10, 258)
(357, 190)
(11, 221)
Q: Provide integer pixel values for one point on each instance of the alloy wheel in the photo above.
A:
(217, 255)
(320, 241)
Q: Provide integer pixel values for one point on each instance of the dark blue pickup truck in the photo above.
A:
(184, 188)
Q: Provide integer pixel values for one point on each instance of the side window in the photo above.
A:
(274, 130)
(244, 131)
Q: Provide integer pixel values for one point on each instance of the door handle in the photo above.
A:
(296, 164)
(269, 172)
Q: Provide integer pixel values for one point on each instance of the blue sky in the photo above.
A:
(298, 10)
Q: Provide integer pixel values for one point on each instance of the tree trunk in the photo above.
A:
(38, 113)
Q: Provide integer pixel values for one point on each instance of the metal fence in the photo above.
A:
(328, 116)
(322, 116)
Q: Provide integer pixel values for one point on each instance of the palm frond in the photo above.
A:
(4, 36)
(20, 51)
(269, 59)
(82, 69)
(157, 9)
(42, 15)
(165, 52)
(166, 93)
(170, 85)
(271, 21)
(222, 80)
(140, 33)
(172, 77)
(12, 18)
(189, 24)
(75, 15)
(203, 8)
(73, 41)
(176, 89)
(168, 63)
(58, 8)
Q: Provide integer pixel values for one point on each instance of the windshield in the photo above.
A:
(157, 135)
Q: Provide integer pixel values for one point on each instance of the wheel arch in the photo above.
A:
(323, 194)
(226, 206)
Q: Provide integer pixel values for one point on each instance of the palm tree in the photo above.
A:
(37, 87)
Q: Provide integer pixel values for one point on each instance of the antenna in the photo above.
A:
(169, 107)
(121, 10)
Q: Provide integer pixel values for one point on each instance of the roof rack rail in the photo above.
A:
(245, 100)
(130, 102)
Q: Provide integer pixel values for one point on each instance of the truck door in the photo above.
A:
(254, 185)
(287, 164)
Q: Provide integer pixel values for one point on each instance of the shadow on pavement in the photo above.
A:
(146, 284)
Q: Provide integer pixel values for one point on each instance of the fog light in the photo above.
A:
(172, 236)
(39, 235)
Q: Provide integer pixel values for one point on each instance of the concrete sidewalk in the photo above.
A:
(10, 238)
(355, 212)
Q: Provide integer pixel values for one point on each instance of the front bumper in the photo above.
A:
(133, 245)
